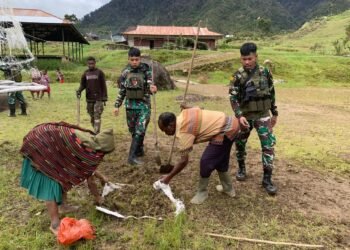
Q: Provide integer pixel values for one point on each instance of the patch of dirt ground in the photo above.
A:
(305, 189)
(201, 60)
(139, 197)
(300, 189)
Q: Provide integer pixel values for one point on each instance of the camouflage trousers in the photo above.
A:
(138, 120)
(13, 96)
(95, 110)
(267, 141)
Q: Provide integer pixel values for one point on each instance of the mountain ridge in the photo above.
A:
(224, 16)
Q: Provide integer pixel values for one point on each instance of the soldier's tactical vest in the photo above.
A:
(135, 86)
(256, 96)
(13, 75)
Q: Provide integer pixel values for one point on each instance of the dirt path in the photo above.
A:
(202, 60)
(304, 189)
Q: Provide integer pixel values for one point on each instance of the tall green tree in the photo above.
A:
(73, 18)
(264, 24)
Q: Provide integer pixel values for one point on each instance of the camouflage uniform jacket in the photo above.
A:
(146, 71)
(237, 88)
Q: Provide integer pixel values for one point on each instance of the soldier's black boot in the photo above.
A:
(12, 108)
(241, 173)
(23, 109)
(140, 151)
(132, 159)
(267, 183)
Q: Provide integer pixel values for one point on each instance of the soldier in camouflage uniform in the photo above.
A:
(136, 87)
(252, 97)
(14, 74)
(93, 80)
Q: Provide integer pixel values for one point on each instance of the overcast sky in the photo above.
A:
(59, 7)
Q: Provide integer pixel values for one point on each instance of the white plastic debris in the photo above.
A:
(110, 187)
(118, 215)
(180, 206)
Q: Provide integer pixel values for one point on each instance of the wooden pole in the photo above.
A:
(63, 48)
(76, 52)
(73, 55)
(264, 241)
(157, 157)
(31, 47)
(192, 61)
(78, 111)
(79, 51)
(68, 49)
(33, 35)
(187, 83)
(73, 51)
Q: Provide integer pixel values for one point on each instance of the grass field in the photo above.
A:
(251, 214)
(323, 31)
(312, 157)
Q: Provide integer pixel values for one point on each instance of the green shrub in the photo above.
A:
(53, 64)
(169, 45)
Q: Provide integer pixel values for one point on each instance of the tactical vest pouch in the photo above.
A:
(137, 94)
(14, 75)
(18, 77)
(135, 86)
(267, 104)
(252, 106)
(257, 105)
(250, 93)
(260, 105)
(263, 83)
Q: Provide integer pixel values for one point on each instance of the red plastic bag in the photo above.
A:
(72, 230)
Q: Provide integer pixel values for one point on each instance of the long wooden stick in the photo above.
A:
(264, 241)
(78, 111)
(187, 84)
(192, 61)
(157, 157)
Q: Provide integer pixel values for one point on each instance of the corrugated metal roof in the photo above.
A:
(42, 25)
(170, 31)
(30, 16)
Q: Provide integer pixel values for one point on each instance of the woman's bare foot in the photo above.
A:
(54, 229)
(99, 200)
